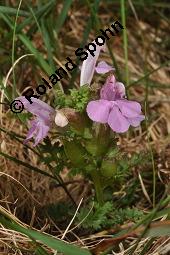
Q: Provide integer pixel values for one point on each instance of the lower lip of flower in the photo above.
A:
(113, 103)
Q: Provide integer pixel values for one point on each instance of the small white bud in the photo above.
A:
(60, 119)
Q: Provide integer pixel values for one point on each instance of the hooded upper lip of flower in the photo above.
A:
(89, 66)
(113, 108)
(45, 116)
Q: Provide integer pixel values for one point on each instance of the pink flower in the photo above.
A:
(89, 66)
(103, 67)
(114, 109)
(45, 116)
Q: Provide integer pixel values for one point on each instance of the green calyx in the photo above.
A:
(75, 153)
(108, 168)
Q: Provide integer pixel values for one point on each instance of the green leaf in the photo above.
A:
(26, 165)
(51, 242)
(161, 228)
(63, 15)
(45, 35)
(75, 153)
(13, 11)
(97, 218)
(41, 12)
(108, 168)
(99, 144)
(37, 55)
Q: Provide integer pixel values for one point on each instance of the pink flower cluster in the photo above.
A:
(112, 108)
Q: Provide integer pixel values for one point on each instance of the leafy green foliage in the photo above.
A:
(62, 211)
(62, 100)
(129, 199)
(97, 218)
(53, 153)
(123, 163)
(127, 214)
(77, 99)
(80, 97)
(107, 216)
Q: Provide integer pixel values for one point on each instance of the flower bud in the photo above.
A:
(75, 153)
(99, 144)
(77, 121)
(108, 168)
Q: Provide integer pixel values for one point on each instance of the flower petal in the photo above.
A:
(107, 92)
(99, 110)
(42, 131)
(31, 131)
(38, 107)
(112, 90)
(135, 122)
(117, 121)
(129, 109)
(88, 66)
(60, 119)
(103, 67)
(39, 131)
(41, 125)
(120, 90)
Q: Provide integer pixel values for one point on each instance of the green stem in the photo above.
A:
(98, 187)
(13, 50)
(125, 40)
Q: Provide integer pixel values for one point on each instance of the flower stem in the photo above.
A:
(98, 187)
(125, 39)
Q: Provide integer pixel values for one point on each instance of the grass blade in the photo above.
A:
(61, 18)
(53, 243)
(125, 40)
(157, 229)
(149, 73)
(26, 165)
(13, 50)
(37, 55)
(13, 11)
